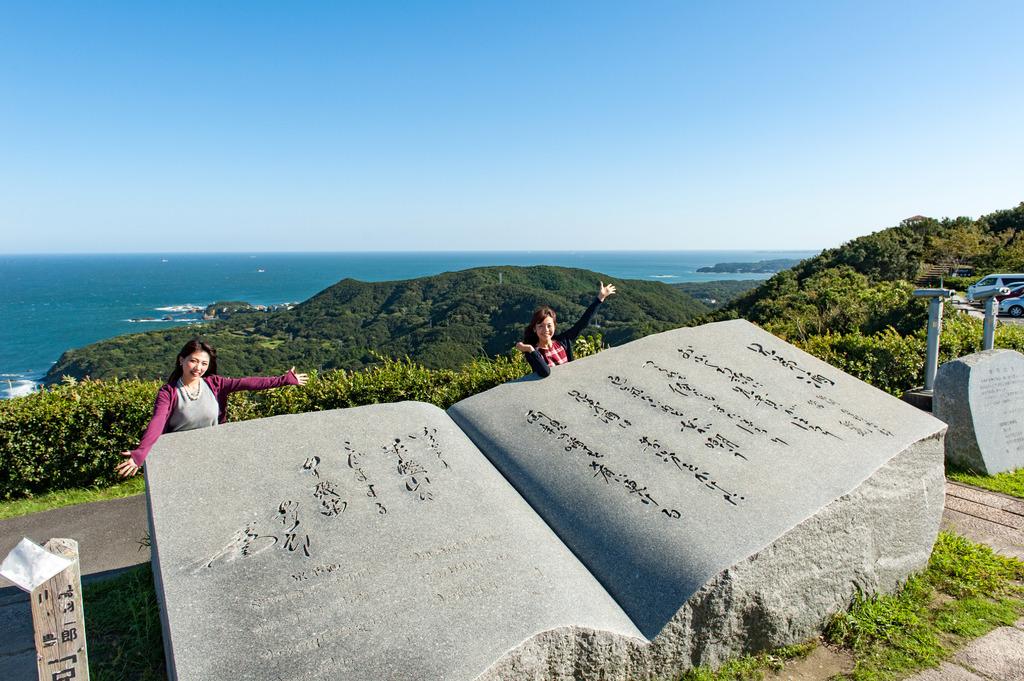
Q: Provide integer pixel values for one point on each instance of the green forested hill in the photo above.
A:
(441, 321)
(865, 284)
(852, 305)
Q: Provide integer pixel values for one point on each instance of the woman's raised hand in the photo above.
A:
(524, 347)
(605, 291)
(126, 468)
(301, 378)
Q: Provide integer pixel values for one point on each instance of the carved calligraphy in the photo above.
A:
(410, 458)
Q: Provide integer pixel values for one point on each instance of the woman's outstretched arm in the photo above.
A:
(603, 292)
(161, 412)
(230, 385)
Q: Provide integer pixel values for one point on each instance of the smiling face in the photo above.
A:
(544, 329)
(194, 366)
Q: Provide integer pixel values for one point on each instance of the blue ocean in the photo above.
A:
(51, 303)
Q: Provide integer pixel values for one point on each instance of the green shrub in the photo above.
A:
(959, 283)
(71, 435)
(886, 360)
(961, 335)
(894, 362)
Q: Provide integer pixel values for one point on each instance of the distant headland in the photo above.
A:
(759, 267)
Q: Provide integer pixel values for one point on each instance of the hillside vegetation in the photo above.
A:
(717, 294)
(441, 322)
(852, 305)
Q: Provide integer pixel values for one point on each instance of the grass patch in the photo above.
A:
(71, 497)
(122, 624)
(972, 617)
(750, 667)
(1011, 482)
(918, 627)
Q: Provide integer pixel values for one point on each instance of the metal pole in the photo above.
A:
(931, 365)
(988, 337)
(935, 298)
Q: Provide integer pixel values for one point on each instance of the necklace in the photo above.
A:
(190, 394)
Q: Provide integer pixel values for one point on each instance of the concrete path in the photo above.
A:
(977, 311)
(996, 656)
(109, 532)
(986, 517)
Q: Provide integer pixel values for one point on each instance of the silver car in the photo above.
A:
(1012, 306)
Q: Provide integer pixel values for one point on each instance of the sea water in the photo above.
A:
(51, 303)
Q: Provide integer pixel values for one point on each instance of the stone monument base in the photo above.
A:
(918, 397)
(867, 541)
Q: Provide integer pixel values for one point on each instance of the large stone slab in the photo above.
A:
(368, 543)
(727, 489)
(981, 397)
(671, 502)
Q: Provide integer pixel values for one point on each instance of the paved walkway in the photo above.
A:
(109, 532)
(978, 312)
(986, 517)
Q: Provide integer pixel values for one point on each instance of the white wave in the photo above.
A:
(664, 276)
(18, 388)
(179, 320)
(181, 308)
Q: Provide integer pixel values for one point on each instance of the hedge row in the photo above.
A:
(71, 435)
(895, 363)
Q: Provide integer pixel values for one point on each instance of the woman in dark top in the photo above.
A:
(195, 397)
(543, 347)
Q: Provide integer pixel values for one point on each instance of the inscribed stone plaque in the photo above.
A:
(683, 498)
(727, 489)
(981, 397)
(367, 543)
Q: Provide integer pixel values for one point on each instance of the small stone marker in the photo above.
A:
(674, 501)
(53, 579)
(981, 397)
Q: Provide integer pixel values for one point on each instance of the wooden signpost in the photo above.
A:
(59, 621)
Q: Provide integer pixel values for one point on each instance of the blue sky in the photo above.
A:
(274, 126)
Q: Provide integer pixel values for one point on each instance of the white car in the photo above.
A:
(1012, 306)
(991, 283)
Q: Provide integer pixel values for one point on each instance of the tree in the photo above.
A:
(961, 245)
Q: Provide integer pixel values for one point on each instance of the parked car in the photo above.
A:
(993, 282)
(1012, 306)
(1016, 291)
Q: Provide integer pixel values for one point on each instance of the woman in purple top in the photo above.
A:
(195, 397)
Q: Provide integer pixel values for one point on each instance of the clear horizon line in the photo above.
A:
(417, 252)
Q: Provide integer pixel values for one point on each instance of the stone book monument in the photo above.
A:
(686, 497)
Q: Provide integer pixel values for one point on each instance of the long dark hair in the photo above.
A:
(529, 334)
(194, 345)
